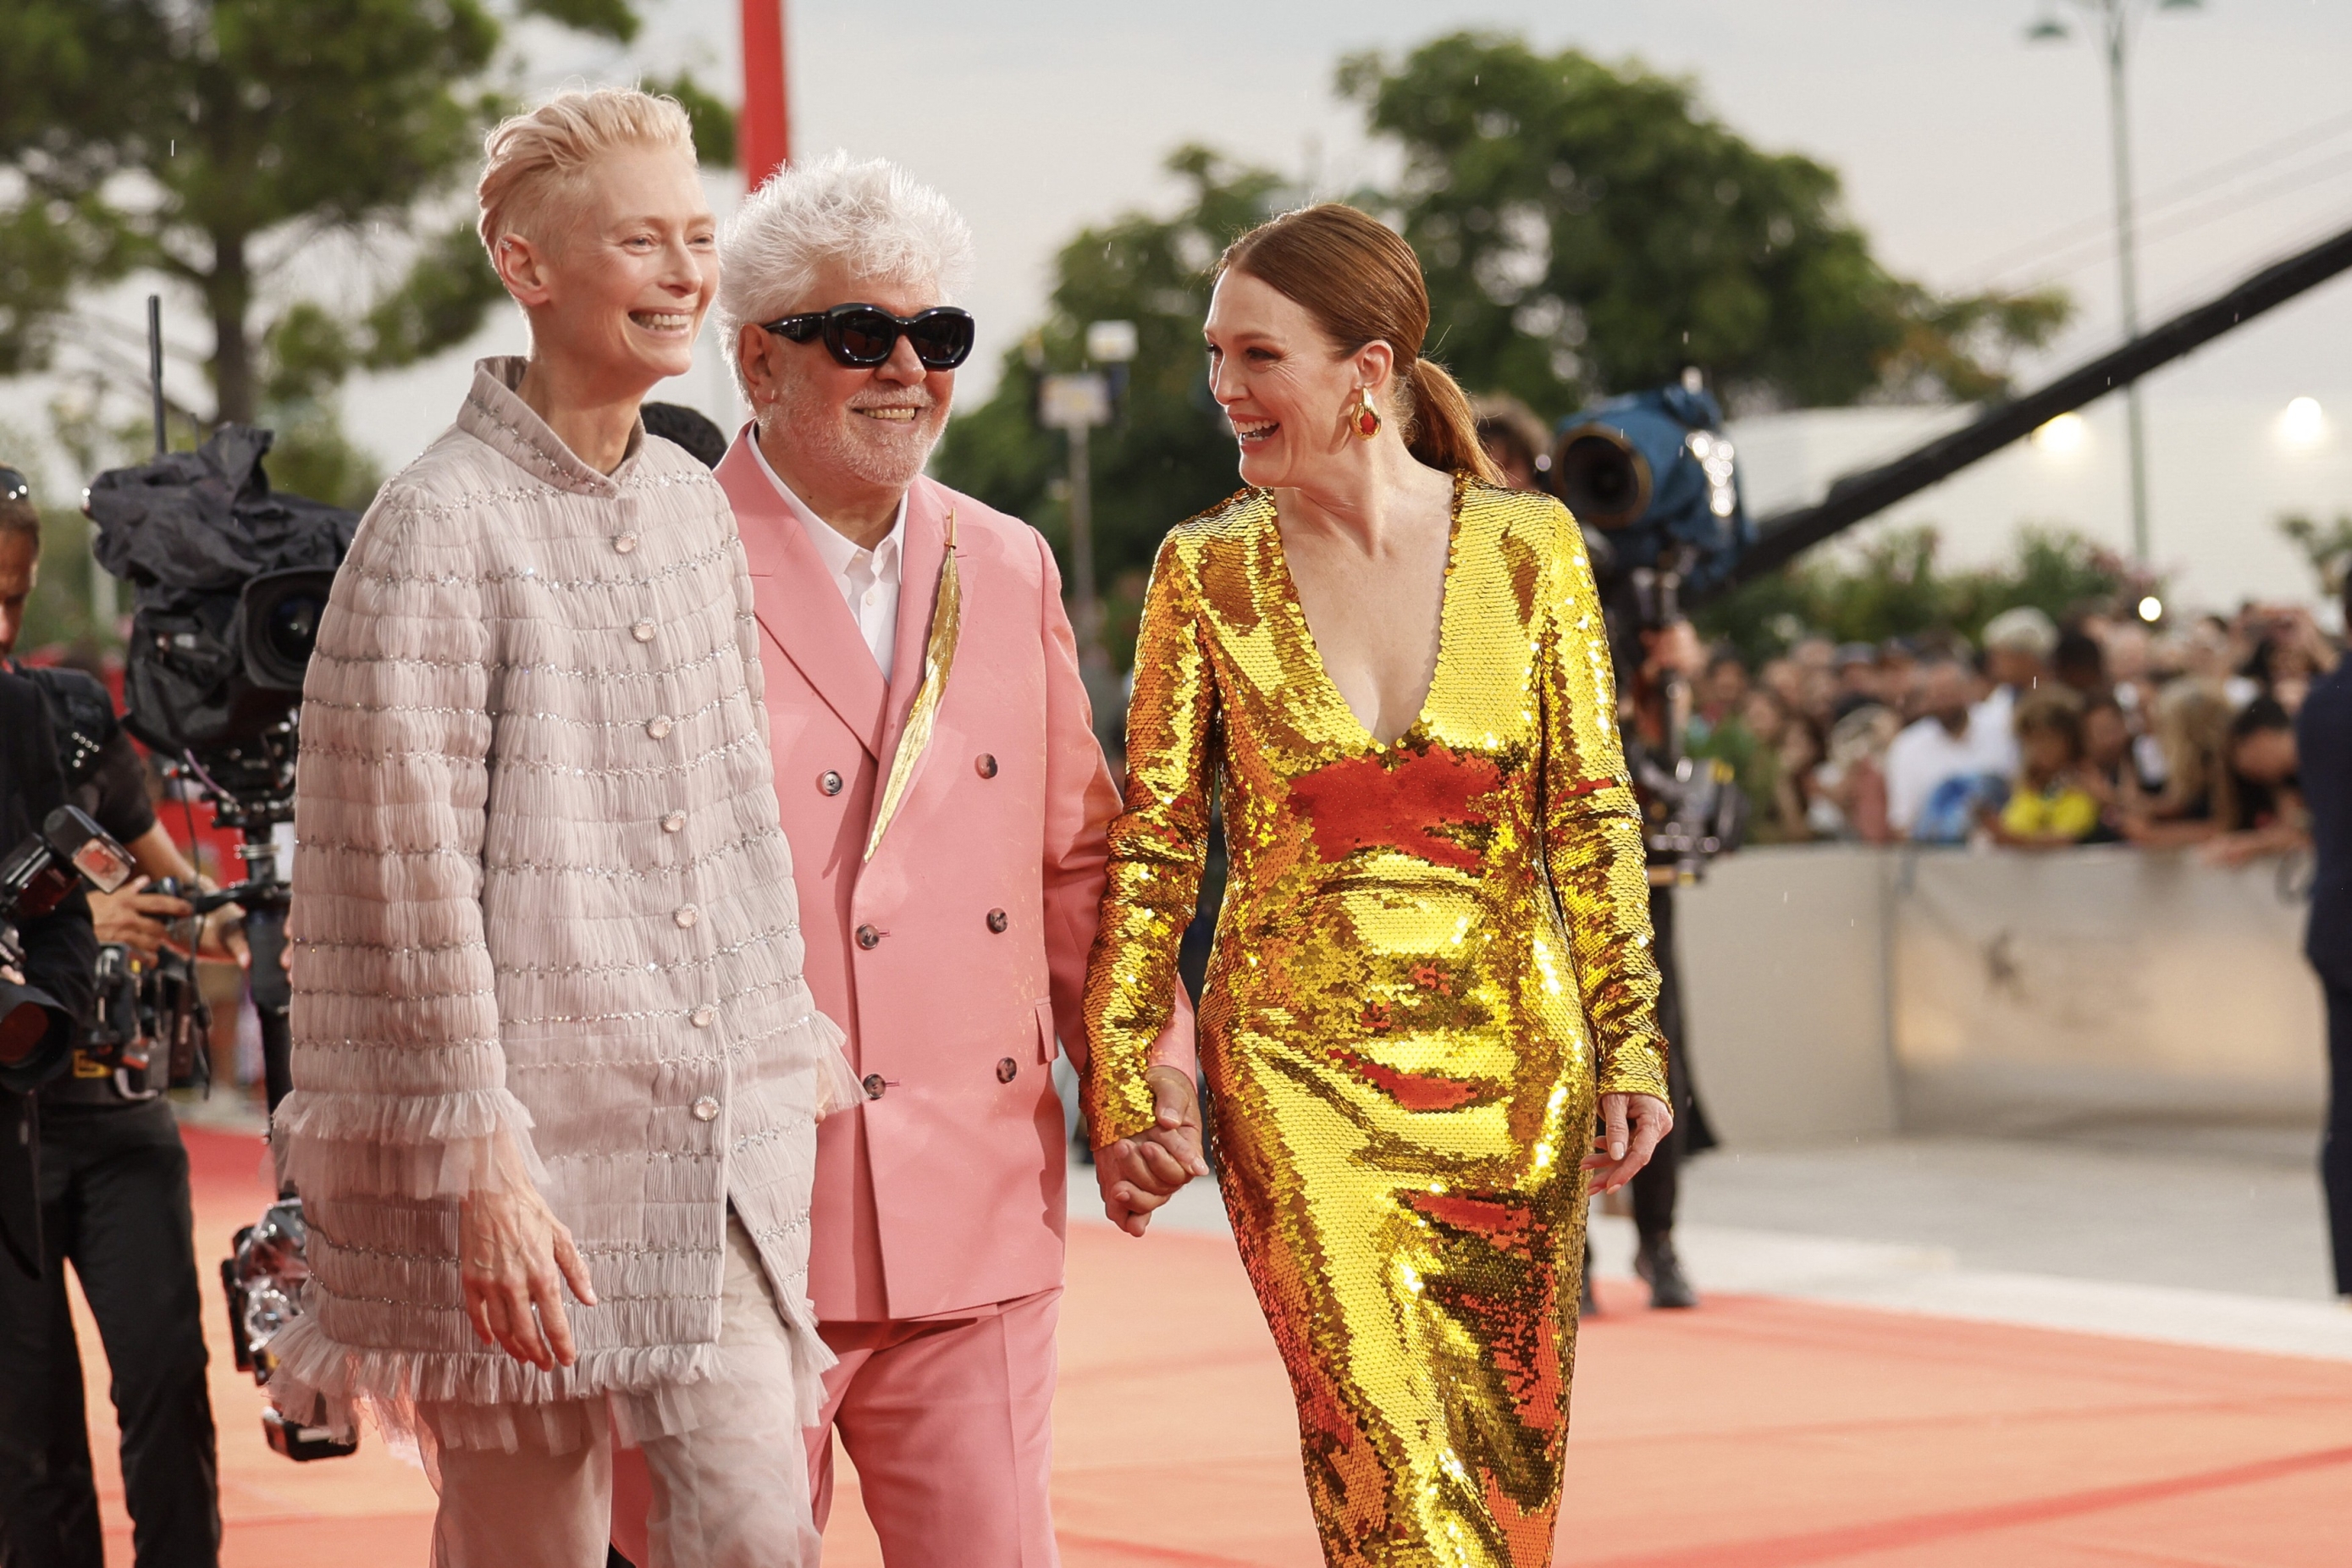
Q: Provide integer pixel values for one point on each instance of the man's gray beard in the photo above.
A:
(821, 430)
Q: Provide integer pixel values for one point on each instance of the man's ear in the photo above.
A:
(752, 341)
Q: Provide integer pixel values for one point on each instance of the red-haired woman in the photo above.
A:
(1433, 963)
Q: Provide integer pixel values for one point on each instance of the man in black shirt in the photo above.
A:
(2324, 757)
(114, 1199)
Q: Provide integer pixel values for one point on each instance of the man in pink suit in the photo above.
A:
(946, 801)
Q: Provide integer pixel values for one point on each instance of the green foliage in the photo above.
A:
(2328, 546)
(1587, 229)
(714, 120)
(213, 142)
(58, 613)
(1891, 585)
(1172, 456)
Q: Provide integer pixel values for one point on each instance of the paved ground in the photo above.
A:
(1792, 1420)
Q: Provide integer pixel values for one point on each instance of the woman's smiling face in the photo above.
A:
(1284, 386)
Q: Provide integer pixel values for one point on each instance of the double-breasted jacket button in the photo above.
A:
(705, 1110)
(868, 937)
(660, 727)
(685, 916)
(1007, 1068)
(997, 920)
(703, 1017)
(674, 822)
(829, 781)
(873, 1086)
(623, 543)
(642, 631)
(985, 764)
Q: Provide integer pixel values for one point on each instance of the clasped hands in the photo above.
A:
(1138, 1174)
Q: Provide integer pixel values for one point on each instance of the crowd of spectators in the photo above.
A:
(2045, 736)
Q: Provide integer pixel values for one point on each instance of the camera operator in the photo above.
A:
(1647, 722)
(114, 1194)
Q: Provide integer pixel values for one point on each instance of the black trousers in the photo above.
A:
(2336, 1144)
(114, 1202)
(1658, 1185)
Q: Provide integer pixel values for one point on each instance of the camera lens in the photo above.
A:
(292, 628)
(1601, 478)
(282, 610)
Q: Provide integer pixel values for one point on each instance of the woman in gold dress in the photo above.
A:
(1433, 964)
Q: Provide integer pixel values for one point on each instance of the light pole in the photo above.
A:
(2115, 20)
(1076, 403)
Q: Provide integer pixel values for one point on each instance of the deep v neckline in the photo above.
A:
(1298, 607)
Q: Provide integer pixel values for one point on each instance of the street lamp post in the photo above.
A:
(2116, 19)
(1076, 403)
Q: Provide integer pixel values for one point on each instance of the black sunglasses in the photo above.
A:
(14, 486)
(862, 336)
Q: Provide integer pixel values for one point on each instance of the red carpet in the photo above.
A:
(1750, 1434)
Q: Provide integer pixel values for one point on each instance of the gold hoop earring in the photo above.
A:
(1365, 417)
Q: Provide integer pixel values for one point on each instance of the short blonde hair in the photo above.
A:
(532, 161)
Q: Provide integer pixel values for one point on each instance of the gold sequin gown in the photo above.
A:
(1404, 1032)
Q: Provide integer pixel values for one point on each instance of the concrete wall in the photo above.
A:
(1840, 991)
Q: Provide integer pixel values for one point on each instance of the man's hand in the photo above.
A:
(513, 1258)
(1138, 1174)
(1621, 1152)
(133, 917)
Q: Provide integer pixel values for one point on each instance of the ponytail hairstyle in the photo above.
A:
(1361, 283)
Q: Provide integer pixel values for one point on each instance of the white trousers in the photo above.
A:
(731, 1492)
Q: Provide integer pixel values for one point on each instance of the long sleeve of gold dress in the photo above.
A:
(1432, 957)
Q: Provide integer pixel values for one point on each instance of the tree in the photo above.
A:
(229, 145)
(1892, 585)
(1172, 454)
(2328, 546)
(1589, 229)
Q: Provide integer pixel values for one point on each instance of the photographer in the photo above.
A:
(114, 1197)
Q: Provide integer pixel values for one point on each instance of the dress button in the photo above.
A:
(705, 1110)
(686, 917)
(986, 765)
(1005, 1070)
(642, 631)
(661, 727)
(997, 920)
(829, 781)
(868, 937)
(624, 543)
(705, 1016)
(674, 822)
(873, 1086)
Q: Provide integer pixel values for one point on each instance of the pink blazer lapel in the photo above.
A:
(794, 598)
(921, 552)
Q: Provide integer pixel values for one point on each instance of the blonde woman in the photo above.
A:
(556, 1074)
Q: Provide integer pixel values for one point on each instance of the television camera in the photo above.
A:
(230, 581)
(1654, 484)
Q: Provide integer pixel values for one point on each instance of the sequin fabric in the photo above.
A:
(1403, 1028)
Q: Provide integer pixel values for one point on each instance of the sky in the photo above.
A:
(1970, 155)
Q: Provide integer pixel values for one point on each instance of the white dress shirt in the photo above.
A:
(868, 579)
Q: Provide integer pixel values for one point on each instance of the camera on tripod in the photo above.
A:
(1654, 484)
(231, 579)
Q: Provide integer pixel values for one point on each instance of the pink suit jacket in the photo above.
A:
(943, 1190)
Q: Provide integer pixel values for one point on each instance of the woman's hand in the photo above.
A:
(1621, 1152)
(513, 1256)
(1138, 1174)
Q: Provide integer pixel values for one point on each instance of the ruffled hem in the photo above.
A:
(333, 1144)
(837, 1087)
(421, 1402)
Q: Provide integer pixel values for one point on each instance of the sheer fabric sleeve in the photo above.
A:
(1592, 828)
(399, 1074)
(1157, 846)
